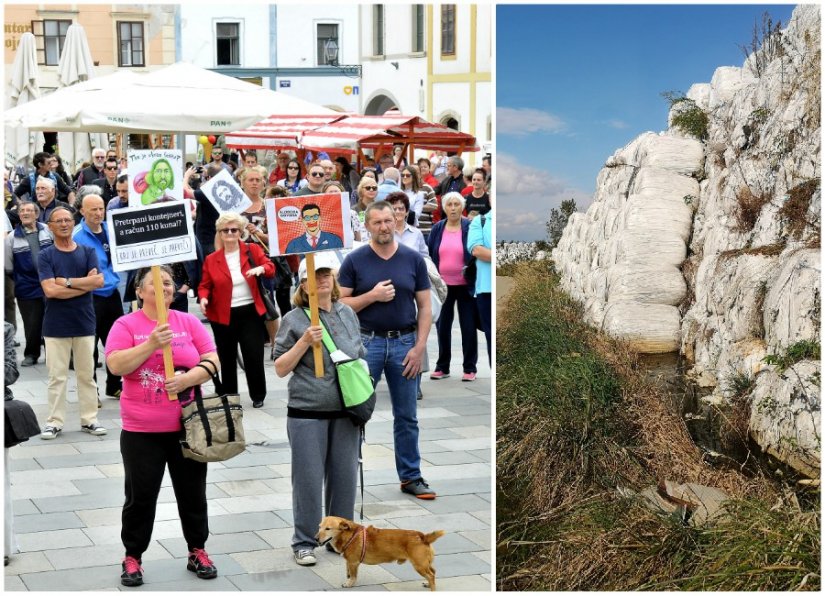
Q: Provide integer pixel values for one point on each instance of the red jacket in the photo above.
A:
(216, 282)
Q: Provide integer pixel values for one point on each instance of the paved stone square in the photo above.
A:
(68, 493)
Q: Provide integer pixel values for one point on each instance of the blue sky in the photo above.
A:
(576, 82)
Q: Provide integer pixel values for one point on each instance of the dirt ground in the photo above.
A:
(504, 285)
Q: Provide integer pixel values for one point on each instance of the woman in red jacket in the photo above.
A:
(230, 299)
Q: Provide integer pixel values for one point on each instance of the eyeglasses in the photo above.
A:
(293, 168)
(112, 169)
(230, 231)
(315, 217)
(370, 188)
(317, 174)
(61, 222)
(406, 175)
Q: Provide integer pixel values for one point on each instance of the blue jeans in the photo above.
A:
(385, 356)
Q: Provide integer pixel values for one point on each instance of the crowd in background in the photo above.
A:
(58, 261)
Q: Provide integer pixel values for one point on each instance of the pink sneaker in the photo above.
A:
(437, 375)
(467, 377)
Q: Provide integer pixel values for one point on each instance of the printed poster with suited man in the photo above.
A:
(310, 223)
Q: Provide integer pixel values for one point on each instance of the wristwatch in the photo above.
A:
(68, 282)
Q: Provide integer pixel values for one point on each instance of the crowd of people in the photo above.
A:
(419, 228)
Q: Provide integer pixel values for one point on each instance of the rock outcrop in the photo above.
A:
(706, 238)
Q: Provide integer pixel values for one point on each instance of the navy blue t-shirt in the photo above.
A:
(69, 317)
(362, 269)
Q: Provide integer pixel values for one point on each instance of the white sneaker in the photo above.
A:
(94, 429)
(49, 433)
(304, 557)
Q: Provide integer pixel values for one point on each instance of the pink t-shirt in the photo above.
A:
(144, 404)
(451, 258)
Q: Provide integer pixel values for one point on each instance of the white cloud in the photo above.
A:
(511, 177)
(524, 197)
(618, 124)
(526, 121)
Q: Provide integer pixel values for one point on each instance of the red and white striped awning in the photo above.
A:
(371, 132)
(278, 132)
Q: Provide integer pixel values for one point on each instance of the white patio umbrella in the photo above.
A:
(20, 143)
(178, 98)
(75, 66)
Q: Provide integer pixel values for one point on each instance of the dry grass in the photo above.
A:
(766, 250)
(749, 207)
(575, 420)
(795, 210)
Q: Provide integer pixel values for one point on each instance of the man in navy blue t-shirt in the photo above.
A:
(387, 284)
(68, 274)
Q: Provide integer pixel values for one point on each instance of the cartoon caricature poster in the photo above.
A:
(309, 223)
(153, 174)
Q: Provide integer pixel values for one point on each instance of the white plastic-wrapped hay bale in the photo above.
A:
(666, 185)
(674, 154)
(642, 245)
(649, 284)
(648, 212)
(648, 328)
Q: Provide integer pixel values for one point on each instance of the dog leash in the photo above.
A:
(361, 469)
(363, 543)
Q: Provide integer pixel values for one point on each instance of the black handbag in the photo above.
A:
(272, 312)
(470, 270)
(21, 422)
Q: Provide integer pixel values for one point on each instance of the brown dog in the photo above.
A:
(360, 544)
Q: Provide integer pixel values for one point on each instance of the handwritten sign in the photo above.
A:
(155, 174)
(154, 235)
(309, 223)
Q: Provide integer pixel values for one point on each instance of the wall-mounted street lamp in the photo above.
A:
(331, 55)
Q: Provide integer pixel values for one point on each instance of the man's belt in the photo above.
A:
(395, 333)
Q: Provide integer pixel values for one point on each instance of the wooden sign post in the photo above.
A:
(314, 315)
(163, 318)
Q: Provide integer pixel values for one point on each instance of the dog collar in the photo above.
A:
(363, 543)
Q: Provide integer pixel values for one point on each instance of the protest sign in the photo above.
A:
(154, 174)
(225, 194)
(153, 235)
(309, 223)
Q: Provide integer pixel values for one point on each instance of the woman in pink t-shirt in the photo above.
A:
(150, 439)
(447, 244)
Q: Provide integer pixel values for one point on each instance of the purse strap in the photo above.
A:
(329, 343)
(212, 373)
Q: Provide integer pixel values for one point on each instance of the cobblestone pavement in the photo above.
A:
(68, 493)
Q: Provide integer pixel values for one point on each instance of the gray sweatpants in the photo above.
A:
(324, 462)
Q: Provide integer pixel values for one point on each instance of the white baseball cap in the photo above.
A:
(327, 259)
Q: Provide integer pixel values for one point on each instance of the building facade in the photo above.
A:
(286, 48)
(432, 61)
(138, 36)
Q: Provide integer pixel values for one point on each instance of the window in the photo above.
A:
(448, 30)
(378, 30)
(418, 28)
(227, 37)
(50, 36)
(328, 44)
(130, 44)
